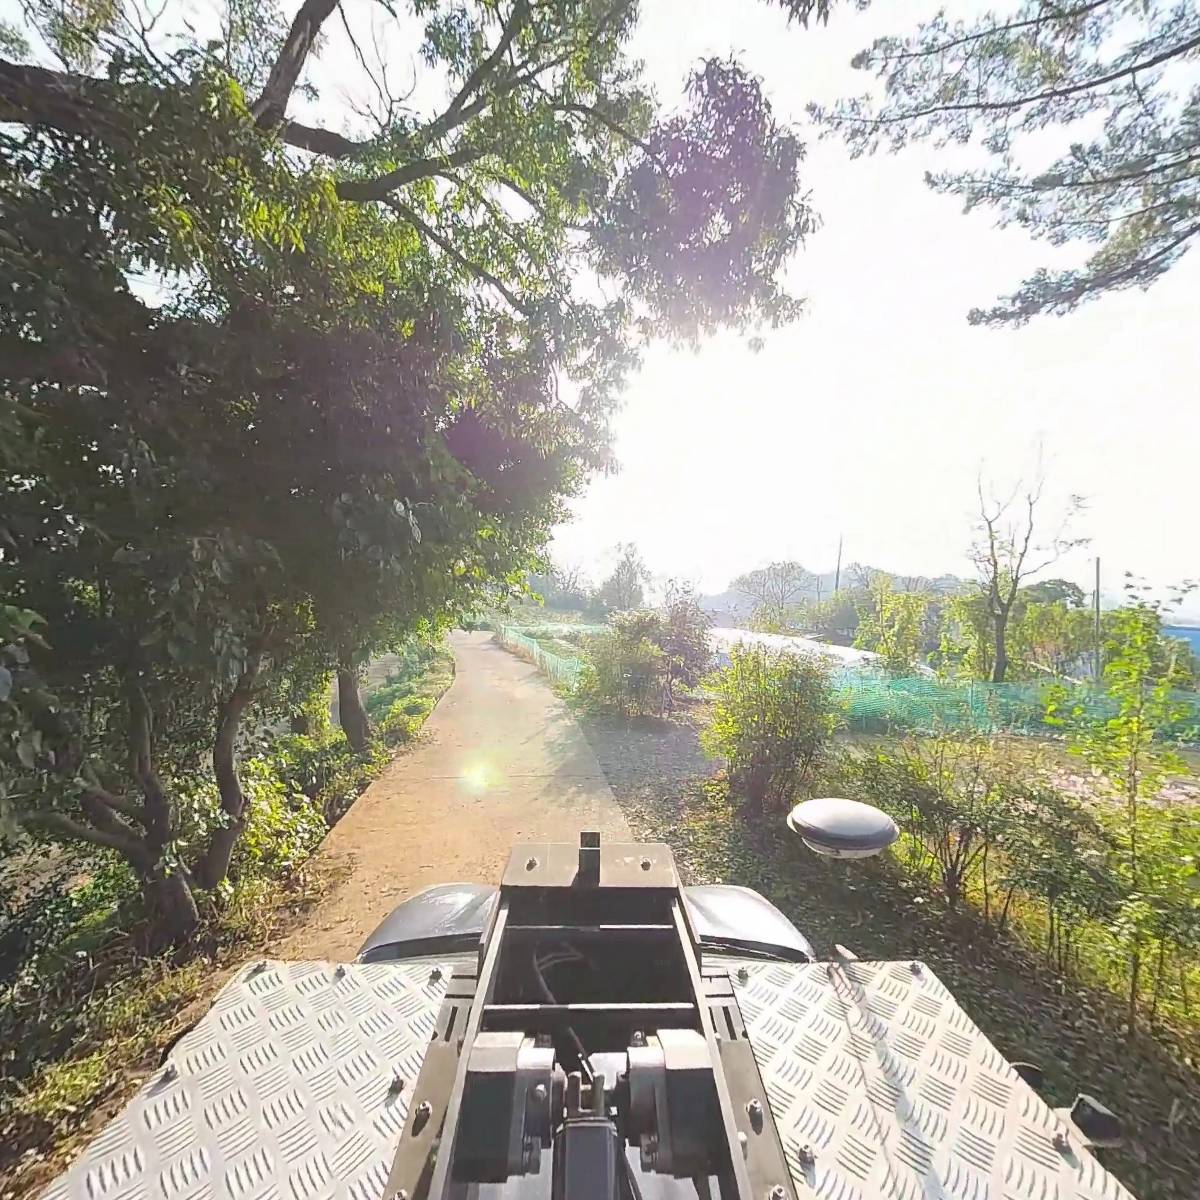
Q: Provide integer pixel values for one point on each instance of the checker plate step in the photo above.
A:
(285, 1088)
(883, 1088)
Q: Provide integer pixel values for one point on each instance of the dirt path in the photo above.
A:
(503, 761)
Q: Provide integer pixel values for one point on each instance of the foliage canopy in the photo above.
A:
(1113, 77)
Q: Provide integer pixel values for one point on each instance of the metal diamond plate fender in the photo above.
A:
(295, 1084)
(883, 1088)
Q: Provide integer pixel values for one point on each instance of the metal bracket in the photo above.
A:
(757, 1135)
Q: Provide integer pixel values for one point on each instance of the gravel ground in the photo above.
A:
(670, 792)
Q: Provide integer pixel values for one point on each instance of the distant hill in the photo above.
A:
(733, 605)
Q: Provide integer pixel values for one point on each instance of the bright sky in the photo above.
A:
(872, 415)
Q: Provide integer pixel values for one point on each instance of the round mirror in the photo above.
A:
(842, 828)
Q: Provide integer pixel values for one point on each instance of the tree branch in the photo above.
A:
(379, 187)
(1059, 93)
(32, 95)
(516, 21)
(72, 103)
(319, 141)
(453, 117)
(991, 31)
(78, 831)
(474, 268)
(613, 127)
(124, 807)
(270, 107)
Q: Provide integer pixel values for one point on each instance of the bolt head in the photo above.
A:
(754, 1108)
(401, 1194)
(646, 864)
(639, 1038)
(743, 974)
(531, 864)
(744, 1142)
(435, 976)
(778, 1192)
(1061, 1141)
(540, 1093)
(806, 1156)
(915, 968)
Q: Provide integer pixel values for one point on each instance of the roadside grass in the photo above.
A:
(1073, 1030)
(413, 684)
(80, 1036)
(88, 1016)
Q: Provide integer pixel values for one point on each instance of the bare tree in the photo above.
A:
(859, 576)
(774, 588)
(624, 589)
(1006, 552)
(569, 576)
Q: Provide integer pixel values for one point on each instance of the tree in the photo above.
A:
(623, 589)
(891, 624)
(1129, 183)
(562, 587)
(773, 717)
(625, 669)
(966, 642)
(1050, 638)
(775, 589)
(683, 639)
(1054, 591)
(1006, 554)
(834, 619)
(1124, 749)
(337, 417)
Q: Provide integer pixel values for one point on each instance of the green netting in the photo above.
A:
(557, 668)
(879, 703)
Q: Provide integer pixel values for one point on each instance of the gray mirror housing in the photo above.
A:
(842, 828)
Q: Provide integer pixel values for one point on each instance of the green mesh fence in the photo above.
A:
(879, 703)
(876, 703)
(554, 666)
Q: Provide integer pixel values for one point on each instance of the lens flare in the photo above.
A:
(476, 777)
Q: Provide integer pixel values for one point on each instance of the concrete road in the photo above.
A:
(503, 761)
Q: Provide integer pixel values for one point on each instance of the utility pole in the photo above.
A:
(1096, 616)
(837, 571)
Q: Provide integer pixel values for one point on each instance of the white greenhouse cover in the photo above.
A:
(840, 656)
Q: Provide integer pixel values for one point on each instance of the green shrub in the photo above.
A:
(947, 795)
(772, 722)
(283, 827)
(624, 673)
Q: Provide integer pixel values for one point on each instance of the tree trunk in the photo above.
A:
(352, 717)
(171, 908)
(1000, 665)
(1158, 977)
(1135, 976)
(213, 864)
